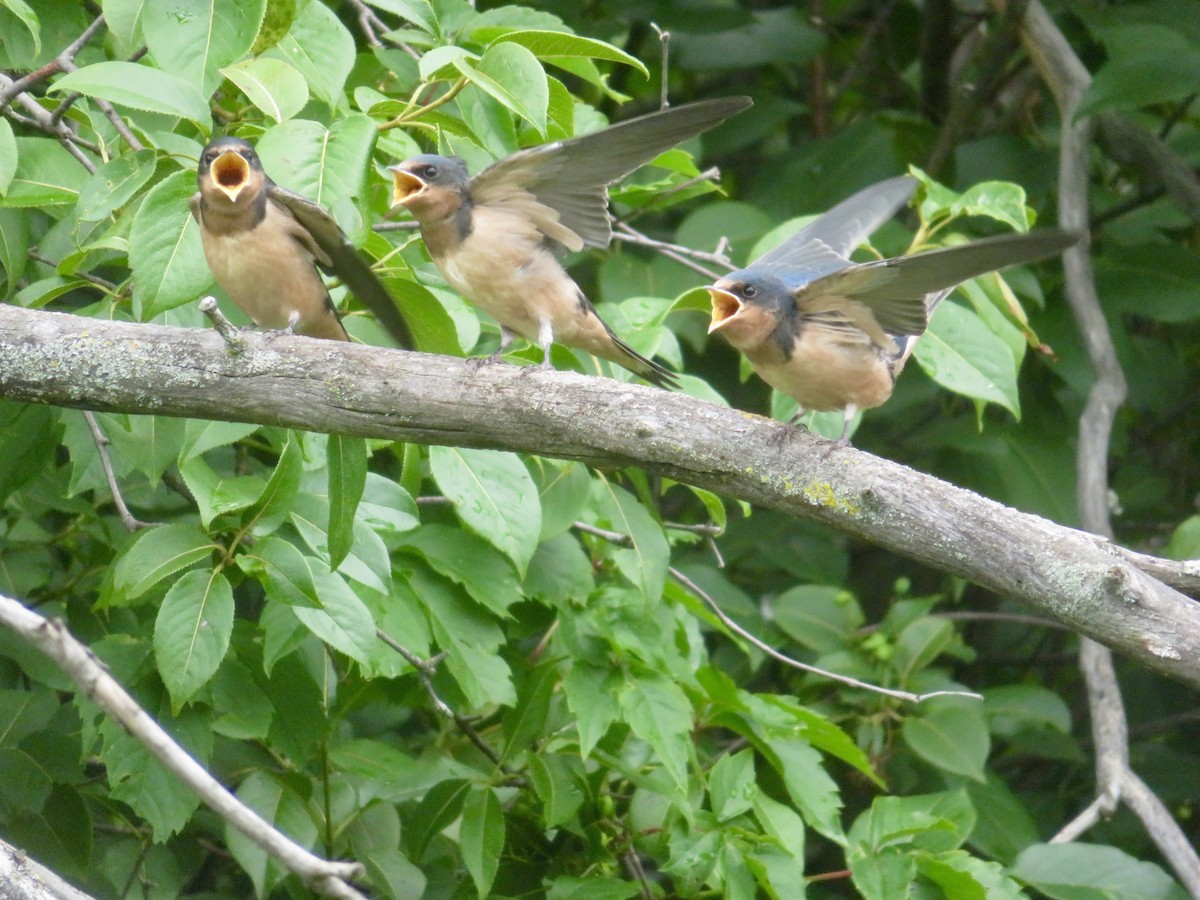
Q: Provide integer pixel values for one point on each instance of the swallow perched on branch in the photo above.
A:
(495, 237)
(834, 334)
(264, 245)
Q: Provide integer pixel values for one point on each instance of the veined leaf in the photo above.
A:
(140, 87)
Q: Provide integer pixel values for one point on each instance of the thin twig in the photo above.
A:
(328, 877)
(230, 333)
(1116, 781)
(131, 522)
(805, 667)
(109, 286)
(368, 22)
(684, 255)
(664, 45)
(40, 118)
(616, 537)
(425, 669)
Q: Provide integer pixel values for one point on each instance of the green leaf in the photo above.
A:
(481, 837)
(1184, 542)
(963, 355)
(558, 781)
(465, 559)
(433, 328)
(321, 48)
(8, 156)
(732, 785)
(24, 712)
(343, 621)
(327, 164)
(392, 872)
(140, 87)
(191, 633)
(1147, 64)
(919, 644)
(164, 249)
(1163, 278)
(959, 874)
(202, 435)
(888, 876)
(781, 822)
(274, 86)
(45, 175)
(436, 810)
(659, 713)
(136, 777)
(243, 711)
(14, 244)
(25, 784)
(195, 38)
(563, 490)
(347, 461)
(114, 184)
(591, 695)
(818, 617)
(808, 784)
(1003, 201)
(29, 19)
(287, 574)
(511, 75)
(494, 495)
(950, 734)
(523, 724)
(274, 504)
(553, 46)
(1013, 708)
(931, 822)
(1080, 871)
(157, 553)
(418, 12)
(593, 887)
(646, 560)
(216, 493)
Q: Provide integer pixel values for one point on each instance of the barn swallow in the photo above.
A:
(495, 237)
(264, 244)
(834, 334)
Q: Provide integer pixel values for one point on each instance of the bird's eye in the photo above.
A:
(749, 291)
(431, 172)
(210, 156)
(248, 155)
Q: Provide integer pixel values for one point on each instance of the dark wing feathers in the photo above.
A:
(345, 261)
(843, 228)
(902, 292)
(571, 176)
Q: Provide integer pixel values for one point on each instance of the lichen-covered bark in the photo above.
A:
(1078, 579)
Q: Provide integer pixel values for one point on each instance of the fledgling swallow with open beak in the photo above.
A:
(496, 237)
(834, 334)
(264, 245)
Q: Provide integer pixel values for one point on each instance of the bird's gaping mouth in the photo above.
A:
(724, 307)
(231, 173)
(405, 186)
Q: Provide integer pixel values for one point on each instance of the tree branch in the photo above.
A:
(329, 878)
(1116, 781)
(1076, 578)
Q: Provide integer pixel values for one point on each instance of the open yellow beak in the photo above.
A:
(724, 307)
(231, 174)
(406, 186)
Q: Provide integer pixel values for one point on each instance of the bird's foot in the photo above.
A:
(840, 444)
(782, 436)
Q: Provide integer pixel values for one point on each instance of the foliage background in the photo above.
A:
(635, 747)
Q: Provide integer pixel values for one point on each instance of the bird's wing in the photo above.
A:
(194, 206)
(842, 228)
(344, 261)
(901, 292)
(571, 177)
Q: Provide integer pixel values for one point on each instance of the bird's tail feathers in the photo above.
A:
(657, 375)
